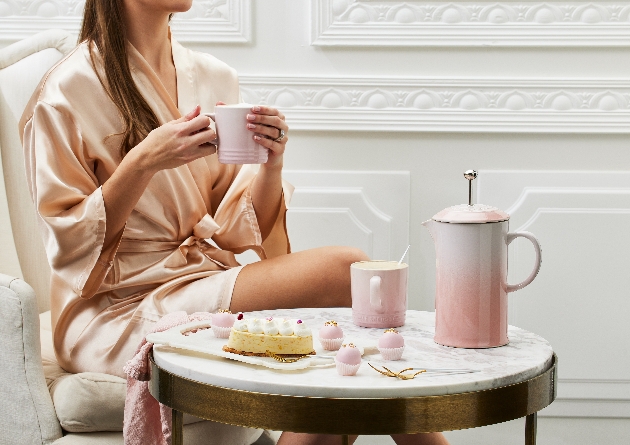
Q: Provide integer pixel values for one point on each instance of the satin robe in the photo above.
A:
(105, 299)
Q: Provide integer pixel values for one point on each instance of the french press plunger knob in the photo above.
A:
(470, 175)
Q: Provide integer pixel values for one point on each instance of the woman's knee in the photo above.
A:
(344, 256)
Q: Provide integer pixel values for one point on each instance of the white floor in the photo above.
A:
(551, 431)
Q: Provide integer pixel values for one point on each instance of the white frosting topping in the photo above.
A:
(270, 327)
(255, 326)
(301, 330)
(285, 327)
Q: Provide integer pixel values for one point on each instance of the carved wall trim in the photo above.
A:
(227, 21)
(331, 207)
(592, 379)
(470, 23)
(446, 105)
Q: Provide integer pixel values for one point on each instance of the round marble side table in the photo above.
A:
(512, 381)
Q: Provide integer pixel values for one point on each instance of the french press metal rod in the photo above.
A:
(470, 175)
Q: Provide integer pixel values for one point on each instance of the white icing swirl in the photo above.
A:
(286, 327)
(254, 325)
(270, 327)
(301, 330)
(240, 325)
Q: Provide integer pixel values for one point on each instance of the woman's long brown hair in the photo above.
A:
(104, 27)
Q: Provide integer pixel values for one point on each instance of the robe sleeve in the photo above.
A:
(239, 230)
(68, 199)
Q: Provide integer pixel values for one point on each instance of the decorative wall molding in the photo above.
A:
(580, 219)
(470, 23)
(208, 21)
(446, 105)
(350, 208)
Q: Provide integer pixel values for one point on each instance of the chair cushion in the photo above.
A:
(84, 402)
(94, 403)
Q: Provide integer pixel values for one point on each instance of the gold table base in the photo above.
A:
(349, 416)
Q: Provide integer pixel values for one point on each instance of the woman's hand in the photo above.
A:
(176, 143)
(270, 130)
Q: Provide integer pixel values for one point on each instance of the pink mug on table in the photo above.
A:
(236, 143)
(379, 293)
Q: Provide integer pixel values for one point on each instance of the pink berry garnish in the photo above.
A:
(299, 322)
(239, 316)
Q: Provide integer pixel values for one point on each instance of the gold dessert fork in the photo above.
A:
(282, 359)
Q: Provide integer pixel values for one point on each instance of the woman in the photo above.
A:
(123, 172)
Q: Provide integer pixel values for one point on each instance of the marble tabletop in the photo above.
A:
(526, 356)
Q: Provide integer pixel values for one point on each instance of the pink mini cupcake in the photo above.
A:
(391, 345)
(222, 323)
(348, 360)
(331, 336)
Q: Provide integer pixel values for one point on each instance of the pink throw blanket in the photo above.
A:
(146, 420)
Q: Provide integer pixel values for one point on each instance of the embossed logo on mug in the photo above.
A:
(378, 318)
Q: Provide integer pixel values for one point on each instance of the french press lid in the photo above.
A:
(471, 213)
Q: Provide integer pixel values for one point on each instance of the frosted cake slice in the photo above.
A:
(255, 336)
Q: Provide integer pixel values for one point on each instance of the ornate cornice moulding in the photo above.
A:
(446, 105)
(225, 21)
(470, 23)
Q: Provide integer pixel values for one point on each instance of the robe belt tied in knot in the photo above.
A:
(203, 230)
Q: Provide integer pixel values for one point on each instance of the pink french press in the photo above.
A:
(471, 243)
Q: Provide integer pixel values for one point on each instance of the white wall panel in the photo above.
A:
(470, 23)
(368, 210)
(225, 21)
(580, 300)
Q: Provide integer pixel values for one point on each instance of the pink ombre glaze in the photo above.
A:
(471, 282)
(379, 296)
(391, 340)
(223, 320)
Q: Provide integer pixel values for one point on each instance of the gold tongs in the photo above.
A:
(410, 374)
(399, 375)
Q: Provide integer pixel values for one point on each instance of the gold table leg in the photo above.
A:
(345, 440)
(531, 422)
(177, 428)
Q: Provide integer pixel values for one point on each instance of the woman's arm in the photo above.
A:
(171, 145)
(266, 123)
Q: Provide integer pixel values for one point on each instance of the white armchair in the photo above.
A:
(41, 403)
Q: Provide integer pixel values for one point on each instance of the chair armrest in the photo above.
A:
(27, 414)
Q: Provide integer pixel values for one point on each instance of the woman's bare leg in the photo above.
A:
(312, 439)
(310, 278)
(420, 439)
(328, 439)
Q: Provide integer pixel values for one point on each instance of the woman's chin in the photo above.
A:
(180, 6)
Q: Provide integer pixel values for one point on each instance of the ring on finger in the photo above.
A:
(281, 136)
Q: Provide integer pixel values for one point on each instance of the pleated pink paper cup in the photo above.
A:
(392, 353)
(221, 332)
(346, 369)
(331, 344)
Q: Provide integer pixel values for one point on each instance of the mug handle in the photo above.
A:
(375, 293)
(530, 236)
(213, 116)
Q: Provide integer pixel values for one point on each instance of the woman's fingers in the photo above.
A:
(270, 121)
(276, 147)
(205, 136)
(268, 111)
(264, 130)
(198, 123)
(191, 115)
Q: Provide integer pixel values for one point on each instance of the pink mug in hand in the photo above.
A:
(379, 293)
(236, 143)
